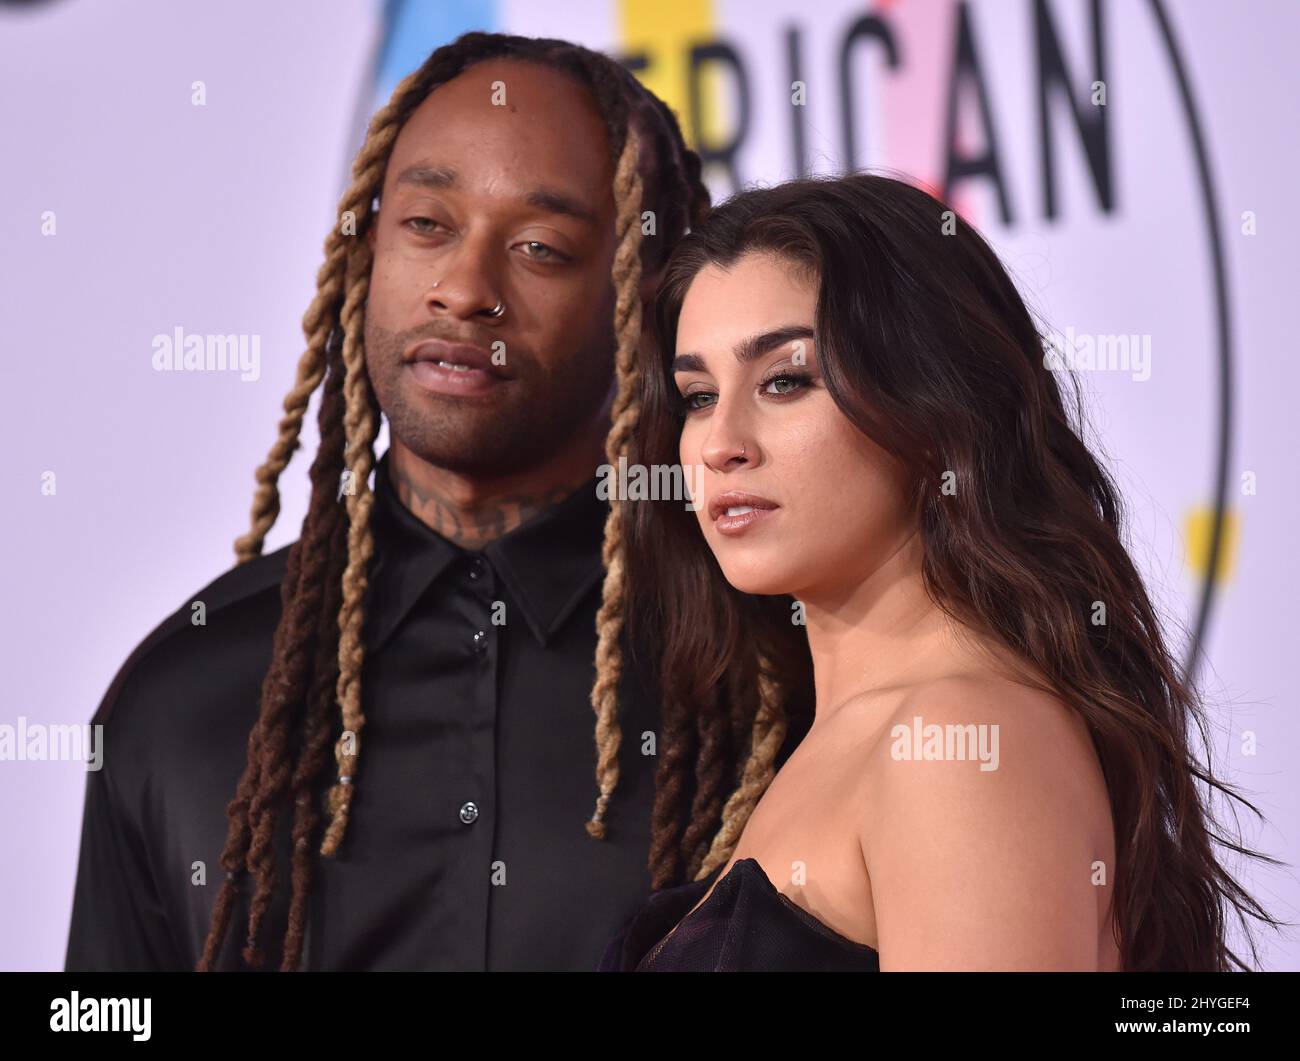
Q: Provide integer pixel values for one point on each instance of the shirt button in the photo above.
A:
(469, 812)
(476, 568)
(480, 641)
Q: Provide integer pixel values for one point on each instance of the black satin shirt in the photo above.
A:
(466, 848)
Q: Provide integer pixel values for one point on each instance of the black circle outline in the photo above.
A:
(1209, 200)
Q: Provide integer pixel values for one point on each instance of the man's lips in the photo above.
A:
(748, 510)
(453, 354)
(456, 370)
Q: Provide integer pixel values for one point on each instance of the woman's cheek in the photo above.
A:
(688, 450)
(822, 464)
(688, 455)
(804, 446)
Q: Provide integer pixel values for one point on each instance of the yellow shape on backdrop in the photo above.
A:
(1198, 528)
(664, 31)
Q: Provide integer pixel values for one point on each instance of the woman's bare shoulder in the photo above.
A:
(985, 807)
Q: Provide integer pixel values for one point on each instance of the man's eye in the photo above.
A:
(540, 252)
(423, 225)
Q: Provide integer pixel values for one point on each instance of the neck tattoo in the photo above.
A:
(476, 528)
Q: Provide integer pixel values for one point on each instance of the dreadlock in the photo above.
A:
(314, 677)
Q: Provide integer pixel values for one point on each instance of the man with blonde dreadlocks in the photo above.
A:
(409, 686)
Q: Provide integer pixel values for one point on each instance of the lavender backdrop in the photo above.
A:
(128, 211)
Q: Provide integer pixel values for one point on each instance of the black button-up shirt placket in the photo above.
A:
(465, 846)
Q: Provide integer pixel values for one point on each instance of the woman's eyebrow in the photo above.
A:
(750, 348)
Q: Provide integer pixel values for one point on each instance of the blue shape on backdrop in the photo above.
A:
(414, 28)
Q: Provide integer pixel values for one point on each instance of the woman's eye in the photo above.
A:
(797, 382)
(687, 401)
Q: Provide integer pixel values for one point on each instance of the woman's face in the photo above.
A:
(829, 502)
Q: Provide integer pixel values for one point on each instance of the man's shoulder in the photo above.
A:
(212, 629)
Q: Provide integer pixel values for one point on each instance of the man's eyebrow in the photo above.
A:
(548, 199)
(427, 176)
(557, 202)
(748, 349)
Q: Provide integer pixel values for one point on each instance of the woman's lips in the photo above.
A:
(736, 511)
(742, 521)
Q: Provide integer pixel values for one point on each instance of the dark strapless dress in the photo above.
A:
(746, 925)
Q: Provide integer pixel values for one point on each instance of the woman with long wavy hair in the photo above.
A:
(901, 557)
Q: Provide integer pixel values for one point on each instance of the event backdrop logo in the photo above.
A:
(1067, 131)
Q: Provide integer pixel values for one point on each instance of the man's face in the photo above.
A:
(494, 204)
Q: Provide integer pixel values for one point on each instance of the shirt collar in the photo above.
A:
(549, 562)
